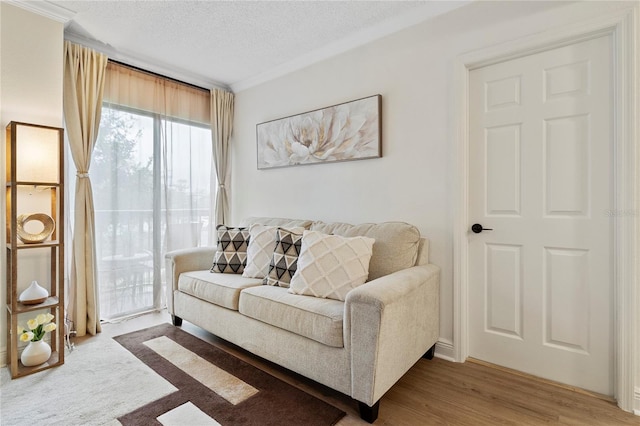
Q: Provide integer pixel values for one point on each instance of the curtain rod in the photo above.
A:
(158, 75)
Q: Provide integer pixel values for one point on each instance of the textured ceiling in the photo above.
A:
(234, 43)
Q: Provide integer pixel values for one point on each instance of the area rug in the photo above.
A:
(98, 382)
(215, 387)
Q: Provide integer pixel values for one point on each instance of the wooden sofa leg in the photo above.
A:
(429, 354)
(369, 414)
(177, 321)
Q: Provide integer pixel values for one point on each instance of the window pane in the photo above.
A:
(186, 199)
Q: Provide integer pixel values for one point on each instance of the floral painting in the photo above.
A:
(349, 131)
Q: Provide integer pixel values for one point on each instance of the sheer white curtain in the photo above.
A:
(152, 184)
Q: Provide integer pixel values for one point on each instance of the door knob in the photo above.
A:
(477, 228)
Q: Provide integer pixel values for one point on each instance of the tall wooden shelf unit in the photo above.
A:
(34, 164)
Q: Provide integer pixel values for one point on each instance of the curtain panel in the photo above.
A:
(221, 129)
(152, 93)
(84, 71)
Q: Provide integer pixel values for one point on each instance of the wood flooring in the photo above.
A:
(439, 392)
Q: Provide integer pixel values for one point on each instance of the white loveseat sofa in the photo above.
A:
(360, 346)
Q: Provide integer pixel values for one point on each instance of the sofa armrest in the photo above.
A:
(179, 261)
(390, 323)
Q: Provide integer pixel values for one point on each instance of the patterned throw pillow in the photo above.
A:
(231, 253)
(284, 261)
(260, 251)
(330, 266)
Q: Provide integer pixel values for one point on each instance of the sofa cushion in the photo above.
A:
(314, 318)
(396, 245)
(284, 261)
(231, 253)
(220, 289)
(262, 243)
(331, 265)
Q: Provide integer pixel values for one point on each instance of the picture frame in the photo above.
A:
(343, 132)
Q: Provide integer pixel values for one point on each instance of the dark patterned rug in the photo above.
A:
(215, 387)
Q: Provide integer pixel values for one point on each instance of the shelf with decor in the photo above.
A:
(21, 308)
(35, 247)
(32, 246)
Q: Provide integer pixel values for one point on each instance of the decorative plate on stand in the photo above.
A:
(28, 238)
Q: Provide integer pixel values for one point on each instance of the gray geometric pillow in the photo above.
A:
(231, 253)
(285, 258)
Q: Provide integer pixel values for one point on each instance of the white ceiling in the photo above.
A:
(234, 44)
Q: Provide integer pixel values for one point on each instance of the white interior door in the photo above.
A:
(540, 282)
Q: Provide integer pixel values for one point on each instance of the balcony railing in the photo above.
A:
(130, 254)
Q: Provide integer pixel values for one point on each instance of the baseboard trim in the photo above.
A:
(444, 350)
(636, 401)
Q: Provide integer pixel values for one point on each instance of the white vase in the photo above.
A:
(34, 294)
(35, 353)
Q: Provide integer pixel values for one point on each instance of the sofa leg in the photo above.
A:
(177, 321)
(369, 414)
(429, 354)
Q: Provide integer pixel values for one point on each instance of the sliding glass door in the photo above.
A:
(151, 181)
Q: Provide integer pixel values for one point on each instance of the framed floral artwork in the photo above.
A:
(343, 132)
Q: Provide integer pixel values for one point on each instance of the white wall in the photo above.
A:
(31, 78)
(413, 181)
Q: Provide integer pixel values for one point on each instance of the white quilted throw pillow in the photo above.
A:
(330, 266)
(262, 243)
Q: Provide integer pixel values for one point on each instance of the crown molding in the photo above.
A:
(46, 9)
(145, 63)
(410, 18)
